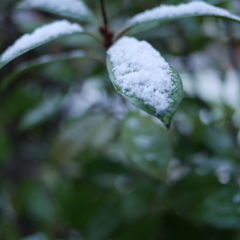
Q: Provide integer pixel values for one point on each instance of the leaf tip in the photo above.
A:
(168, 125)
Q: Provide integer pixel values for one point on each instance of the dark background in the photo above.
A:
(79, 163)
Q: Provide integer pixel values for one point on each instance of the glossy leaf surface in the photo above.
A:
(147, 145)
(143, 77)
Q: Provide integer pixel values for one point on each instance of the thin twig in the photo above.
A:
(96, 37)
(107, 35)
(104, 14)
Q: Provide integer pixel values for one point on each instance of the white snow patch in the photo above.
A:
(236, 198)
(143, 141)
(69, 8)
(150, 157)
(223, 173)
(140, 71)
(231, 89)
(208, 85)
(132, 123)
(38, 37)
(196, 8)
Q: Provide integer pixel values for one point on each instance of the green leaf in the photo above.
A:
(75, 9)
(143, 77)
(106, 220)
(165, 13)
(41, 113)
(33, 197)
(147, 145)
(39, 37)
(221, 208)
(202, 198)
(97, 132)
(36, 236)
(43, 60)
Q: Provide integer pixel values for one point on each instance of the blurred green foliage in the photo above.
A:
(78, 163)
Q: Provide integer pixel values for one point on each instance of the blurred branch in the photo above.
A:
(232, 46)
(104, 14)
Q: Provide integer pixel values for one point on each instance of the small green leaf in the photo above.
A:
(39, 37)
(165, 13)
(147, 144)
(142, 76)
(75, 9)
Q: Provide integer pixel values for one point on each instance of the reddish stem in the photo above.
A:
(107, 35)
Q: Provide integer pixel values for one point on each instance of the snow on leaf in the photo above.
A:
(67, 8)
(40, 36)
(153, 17)
(141, 75)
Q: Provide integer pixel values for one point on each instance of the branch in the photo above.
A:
(107, 35)
(104, 14)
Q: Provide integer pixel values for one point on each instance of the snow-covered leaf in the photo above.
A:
(142, 76)
(164, 13)
(40, 36)
(67, 8)
(147, 144)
